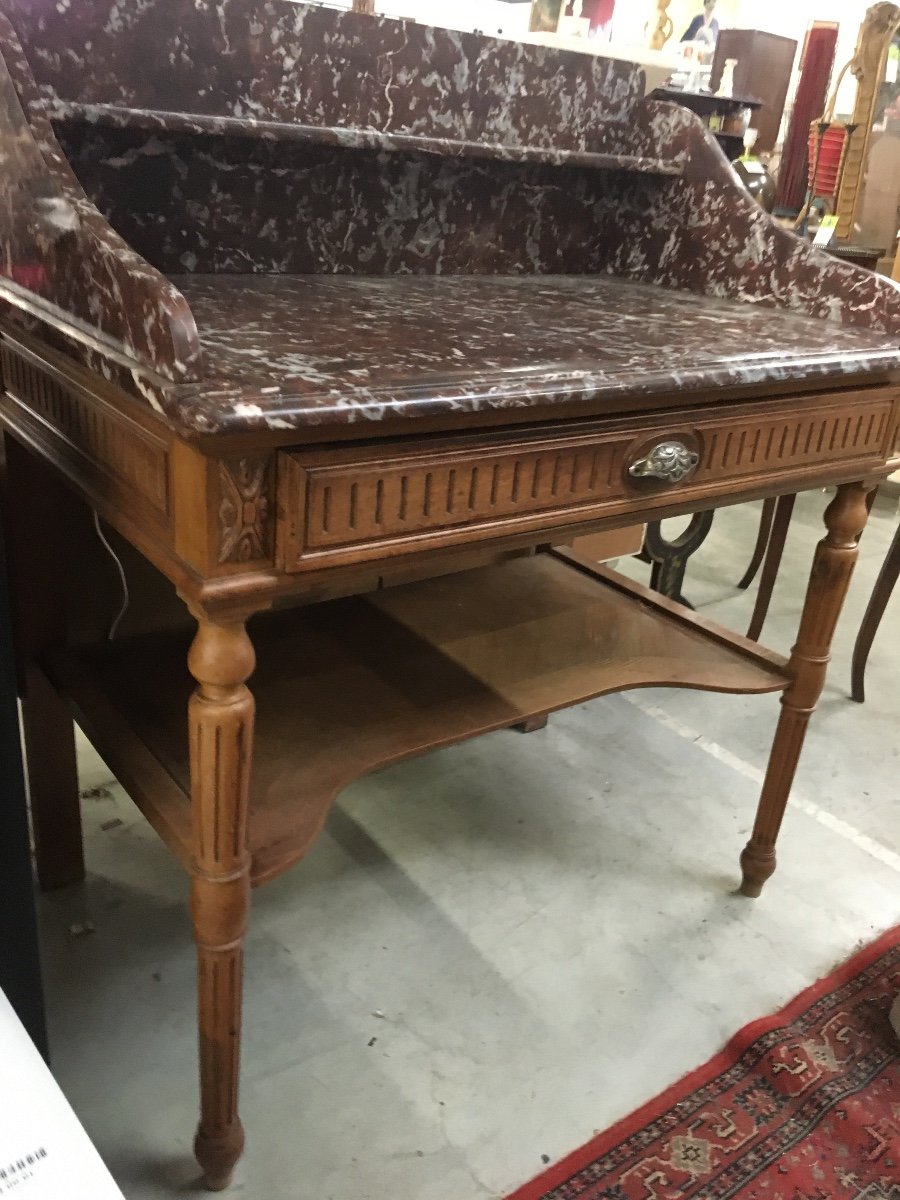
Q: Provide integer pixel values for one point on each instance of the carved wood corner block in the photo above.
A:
(246, 510)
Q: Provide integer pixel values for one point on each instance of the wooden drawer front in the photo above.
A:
(408, 496)
(132, 460)
(343, 504)
(734, 449)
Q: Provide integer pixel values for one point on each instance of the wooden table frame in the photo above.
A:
(240, 526)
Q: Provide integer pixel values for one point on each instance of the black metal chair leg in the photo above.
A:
(670, 559)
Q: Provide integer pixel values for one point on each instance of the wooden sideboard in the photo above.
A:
(342, 350)
(765, 66)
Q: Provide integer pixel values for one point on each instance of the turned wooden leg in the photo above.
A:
(887, 581)
(781, 523)
(221, 741)
(833, 566)
(762, 540)
(37, 514)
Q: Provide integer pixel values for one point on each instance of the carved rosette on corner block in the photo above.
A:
(246, 510)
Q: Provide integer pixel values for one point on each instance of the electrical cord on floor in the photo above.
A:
(126, 596)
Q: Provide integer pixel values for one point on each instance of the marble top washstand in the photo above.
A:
(369, 323)
(290, 351)
(299, 226)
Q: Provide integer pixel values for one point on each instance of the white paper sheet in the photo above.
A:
(44, 1152)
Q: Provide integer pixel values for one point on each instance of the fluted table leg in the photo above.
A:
(832, 569)
(221, 715)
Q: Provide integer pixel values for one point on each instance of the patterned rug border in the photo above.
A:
(704, 1075)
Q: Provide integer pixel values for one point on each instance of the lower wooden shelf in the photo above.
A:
(349, 686)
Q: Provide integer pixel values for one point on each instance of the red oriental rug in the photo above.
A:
(804, 1105)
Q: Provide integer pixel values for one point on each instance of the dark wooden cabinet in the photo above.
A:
(20, 969)
(765, 64)
(707, 106)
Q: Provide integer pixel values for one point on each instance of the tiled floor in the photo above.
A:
(496, 950)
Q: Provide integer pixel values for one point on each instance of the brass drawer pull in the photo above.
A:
(672, 462)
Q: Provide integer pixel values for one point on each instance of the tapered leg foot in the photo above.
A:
(757, 864)
(218, 1156)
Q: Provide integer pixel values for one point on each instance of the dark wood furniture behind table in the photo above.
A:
(20, 966)
(765, 65)
(867, 257)
(706, 105)
(341, 336)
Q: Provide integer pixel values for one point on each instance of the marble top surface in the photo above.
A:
(294, 351)
(301, 63)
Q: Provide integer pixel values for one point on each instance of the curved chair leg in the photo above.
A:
(781, 523)
(887, 579)
(762, 542)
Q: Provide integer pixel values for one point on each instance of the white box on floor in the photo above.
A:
(44, 1152)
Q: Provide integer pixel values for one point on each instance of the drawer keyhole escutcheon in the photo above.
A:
(670, 461)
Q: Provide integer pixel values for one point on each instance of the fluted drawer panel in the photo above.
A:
(795, 441)
(408, 497)
(135, 458)
(352, 504)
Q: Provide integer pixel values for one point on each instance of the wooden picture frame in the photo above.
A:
(545, 16)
